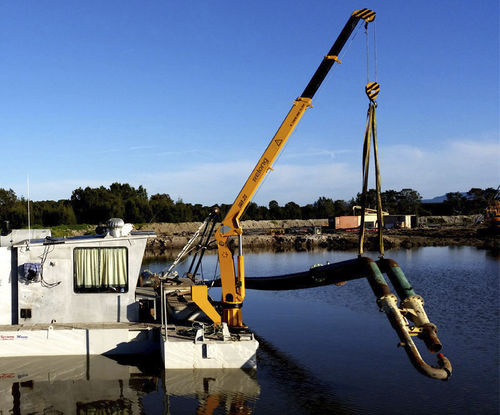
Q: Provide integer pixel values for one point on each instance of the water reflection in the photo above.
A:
(232, 389)
(494, 253)
(101, 385)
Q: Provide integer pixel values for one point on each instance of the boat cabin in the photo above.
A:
(83, 279)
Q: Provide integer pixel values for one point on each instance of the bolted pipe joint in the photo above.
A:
(414, 306)
(387, 302)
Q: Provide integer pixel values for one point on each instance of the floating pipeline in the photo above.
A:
(411, 305)
(316, 276)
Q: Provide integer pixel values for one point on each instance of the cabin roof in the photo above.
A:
(49, 240)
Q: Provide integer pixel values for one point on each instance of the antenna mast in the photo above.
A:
(29, 213)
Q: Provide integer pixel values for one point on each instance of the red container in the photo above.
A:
(346, 222)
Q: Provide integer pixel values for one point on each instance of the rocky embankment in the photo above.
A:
(313, 234)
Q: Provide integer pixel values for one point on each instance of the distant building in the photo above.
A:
(400, 221)
(390, 221)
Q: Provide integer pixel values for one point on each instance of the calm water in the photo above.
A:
(325, 350)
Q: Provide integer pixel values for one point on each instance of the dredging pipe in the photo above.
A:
(387, 302)
(411, 306)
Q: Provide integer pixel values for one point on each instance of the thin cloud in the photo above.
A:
(135, 148)
(182, 152)
(457, 165)
(316, 153)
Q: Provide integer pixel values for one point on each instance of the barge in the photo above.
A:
(80, 296)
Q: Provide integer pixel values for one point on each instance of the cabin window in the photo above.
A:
(100, 270)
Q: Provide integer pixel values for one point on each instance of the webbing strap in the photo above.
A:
(380, 215)
(371, 131)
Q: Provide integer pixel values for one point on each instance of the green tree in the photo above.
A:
(479, 199)
(96, 205)
(455, 203)
(8, 199)
(18, 215)
(183, 212)
(370, 199)
(255, 212)
(390, 199)
(162, 207)
(308, 211)
(51, 213)
(274, 210)
(200, 212)
(409, 201)
(324, 208)
(342, 208)
(406, 201)
(292, 211)
(137, 210)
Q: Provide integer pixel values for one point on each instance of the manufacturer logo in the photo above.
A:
(6, 337)
(260, 169)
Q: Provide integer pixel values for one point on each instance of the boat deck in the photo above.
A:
(81, 326)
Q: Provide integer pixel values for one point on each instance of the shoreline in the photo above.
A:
(300, 236)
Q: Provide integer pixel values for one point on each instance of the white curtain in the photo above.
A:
(100, 267)
(113, 266)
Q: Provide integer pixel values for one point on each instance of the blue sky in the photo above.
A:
(184, 96)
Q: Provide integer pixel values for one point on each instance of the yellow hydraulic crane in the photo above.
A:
(233, 277)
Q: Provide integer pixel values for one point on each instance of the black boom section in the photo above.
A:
(327, 63)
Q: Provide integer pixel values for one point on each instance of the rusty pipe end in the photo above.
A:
(444, 364)
(430, 338)
(442, 371)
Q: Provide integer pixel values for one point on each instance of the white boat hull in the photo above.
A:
(209, 354)
(58, 341)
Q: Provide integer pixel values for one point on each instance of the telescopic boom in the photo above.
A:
(233, 282)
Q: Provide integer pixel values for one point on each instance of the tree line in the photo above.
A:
(95, 205)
